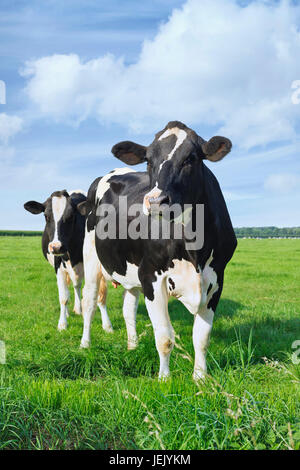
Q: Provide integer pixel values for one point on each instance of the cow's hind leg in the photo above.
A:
(64, 295)
(130, 305)
(77, 301)
(202, 327)
(201, 333)
(106, 323)
(163, 330)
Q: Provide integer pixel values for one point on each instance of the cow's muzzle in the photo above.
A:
(157, 204)
(158, 201)
(56, 249)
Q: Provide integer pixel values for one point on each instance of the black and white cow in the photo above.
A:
(62, 245)
(176, 173)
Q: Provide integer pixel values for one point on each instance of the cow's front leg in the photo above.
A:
(201, 333)
(92, 275)
(89, 304)
(63, 293)
(163, 330)
(106, 323)
(130, 305)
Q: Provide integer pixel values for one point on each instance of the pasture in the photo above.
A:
(55, 396)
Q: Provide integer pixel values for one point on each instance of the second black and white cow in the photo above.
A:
(62, 245)
(176, 174)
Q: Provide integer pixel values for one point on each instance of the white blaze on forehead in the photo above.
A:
(180, 134)
(77, 191)
(58, 207)
(156, 192)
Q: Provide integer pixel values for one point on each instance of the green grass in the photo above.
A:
(55, 396)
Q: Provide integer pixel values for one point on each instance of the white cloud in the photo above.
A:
(231, 196)
(213, 63)
(9, 126)
(282, 182)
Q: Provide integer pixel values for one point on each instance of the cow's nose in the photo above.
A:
(159, 205)
(55, 248)
(159, 201)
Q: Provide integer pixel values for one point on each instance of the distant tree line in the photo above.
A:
(266, 232)
(20, 233)
(241, 232)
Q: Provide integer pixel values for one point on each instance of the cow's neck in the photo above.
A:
(75, 244)
(200, 256)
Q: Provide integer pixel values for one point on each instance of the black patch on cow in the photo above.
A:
(172, 283)
(91, 205)
(116, 187)
(209, 288)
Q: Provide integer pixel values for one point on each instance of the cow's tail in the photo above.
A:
(102, 291)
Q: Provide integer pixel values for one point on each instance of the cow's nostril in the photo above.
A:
(55, 248)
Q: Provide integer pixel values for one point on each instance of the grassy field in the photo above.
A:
(55, 396)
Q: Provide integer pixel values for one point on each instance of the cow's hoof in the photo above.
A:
(131, 345)
(163, 377)
(199, 376)
(84, 344)
(62, 326)
(108, 328)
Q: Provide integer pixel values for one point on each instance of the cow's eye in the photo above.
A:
(188, 161)
(68, 217)
(47, 217)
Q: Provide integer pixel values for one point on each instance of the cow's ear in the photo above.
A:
(216, 148)
(83, 208)
(34, 207)
(129, 152)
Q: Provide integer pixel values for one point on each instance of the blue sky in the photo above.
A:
(83, 75)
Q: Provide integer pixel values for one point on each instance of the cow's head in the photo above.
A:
(174, 163)
(59, 211)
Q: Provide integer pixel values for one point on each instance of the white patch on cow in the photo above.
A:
(163, 330)
(193, 294)
(64, 295)
(204, 319)
(209, 277)
(77, 191)
(104, 185)
(131, 278)
(58, 207)
(76, 275)
(106, 323)
(92, 273)
(184, 283)
(50, 258)
(201, 333)
(154, 193)
(130, 305)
